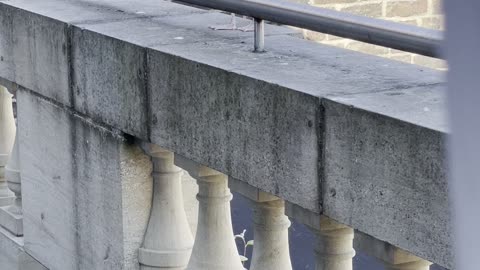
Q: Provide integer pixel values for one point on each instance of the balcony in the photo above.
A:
(136, 121)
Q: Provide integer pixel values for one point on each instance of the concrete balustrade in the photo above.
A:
(329, 132)
(271, 248)
(270, 225)
(334, 241)
(7, 138)
(334, 247)
(214, 247)
(11, 217)
(168, 241)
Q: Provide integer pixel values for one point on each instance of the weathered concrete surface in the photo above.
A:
(376, 167)
(34, 53)
(88, 193)
(265, 119)
(210, 120)
(112, 91)
(13, 256)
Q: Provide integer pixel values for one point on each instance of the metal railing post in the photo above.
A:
(259, 35)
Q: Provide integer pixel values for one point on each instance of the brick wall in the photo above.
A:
(424, 13)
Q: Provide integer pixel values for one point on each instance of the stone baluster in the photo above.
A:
(7, 137)
(334, 248)
(11, 217)
(214, 247)
(271, 248)
(168, 241)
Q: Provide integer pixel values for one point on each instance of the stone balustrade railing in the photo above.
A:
(168, 241)
(118, 110)
(11, 192)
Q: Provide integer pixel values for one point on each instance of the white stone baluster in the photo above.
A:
(168, 241)
(11, 217)
(7, 137)
(214, 247)
(271, 247)
(334, 248)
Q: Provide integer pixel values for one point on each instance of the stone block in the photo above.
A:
(11, 221)
(86, 192)
(7, 65)
(435, 22)
(414, 21)
(232, 123)
(436, 7)
(13, 256)
(6, 201)
(364, 9)
(406, 8)
(109, 81)
(387, 177)
(47, 181)
(34, 53)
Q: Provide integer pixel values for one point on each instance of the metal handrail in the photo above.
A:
(394, 35)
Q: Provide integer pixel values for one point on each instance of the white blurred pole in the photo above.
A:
(463, 55)
(7, 138)
(168, 241)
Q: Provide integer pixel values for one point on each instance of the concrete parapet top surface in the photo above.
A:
(356, 137)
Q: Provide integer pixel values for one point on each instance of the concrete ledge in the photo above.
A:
(13, 256)
(113, 92)
(260, 133)
(387, 178)
(10, 221)
(34, 52)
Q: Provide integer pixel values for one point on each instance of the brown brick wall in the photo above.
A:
(424, 13)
